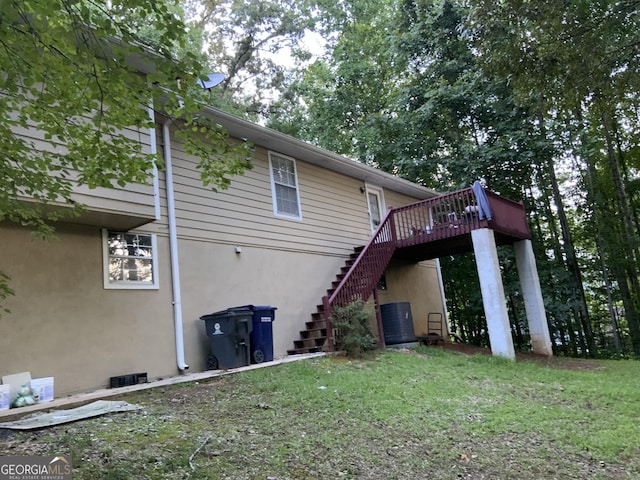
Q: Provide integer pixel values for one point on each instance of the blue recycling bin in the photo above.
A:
(262, 332)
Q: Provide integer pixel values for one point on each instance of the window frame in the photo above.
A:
(379, 193)
(128, 284)
(274, 198)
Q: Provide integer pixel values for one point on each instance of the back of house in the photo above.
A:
(121, 289)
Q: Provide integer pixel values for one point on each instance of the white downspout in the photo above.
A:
(442, 296)
(153, 145)
(173, 248)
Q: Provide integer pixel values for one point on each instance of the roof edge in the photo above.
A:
(307, 152)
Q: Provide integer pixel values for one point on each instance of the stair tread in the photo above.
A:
(314, 337)
(300, 351)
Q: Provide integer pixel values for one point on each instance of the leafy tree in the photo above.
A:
(250, 42)
(579, 61)
(341, 102)
(68, 76)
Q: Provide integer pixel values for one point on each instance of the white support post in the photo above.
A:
(532, 295)
(495, 306)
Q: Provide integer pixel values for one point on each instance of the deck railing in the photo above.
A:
(437, 218)
(509, 217)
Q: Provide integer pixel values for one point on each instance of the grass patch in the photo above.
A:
(399, 415)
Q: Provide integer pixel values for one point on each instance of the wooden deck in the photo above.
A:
(420, 231)
(442, 225)
(430, 229)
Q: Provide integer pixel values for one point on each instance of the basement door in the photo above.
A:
(375, 203)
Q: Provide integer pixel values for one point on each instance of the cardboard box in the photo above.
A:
(42, 389)
(15, 382)
(5, 397)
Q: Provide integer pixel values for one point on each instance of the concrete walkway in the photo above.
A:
(83, 398)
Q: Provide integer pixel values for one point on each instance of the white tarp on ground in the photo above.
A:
(57, 417)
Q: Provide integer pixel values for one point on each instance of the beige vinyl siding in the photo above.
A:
(133, 200)
(334, 212)
(395, 199)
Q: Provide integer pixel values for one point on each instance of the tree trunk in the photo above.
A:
(566, 320)
(631, 313)
(516, 322)
(594, 199)
(632, 291)
(571, 261)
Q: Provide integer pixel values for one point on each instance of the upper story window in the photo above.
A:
(130, 260)
(375, 202)
(284, 186)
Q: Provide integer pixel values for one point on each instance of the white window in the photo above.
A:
(375, 202)
(130, 260)
(284, 186)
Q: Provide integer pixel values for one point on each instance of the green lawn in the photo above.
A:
(399, 415)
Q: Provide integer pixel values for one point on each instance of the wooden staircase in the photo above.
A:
(314, 338)
(419, 231)
(358, 278)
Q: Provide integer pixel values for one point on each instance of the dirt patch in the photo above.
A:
(464, 348)
(565, 363)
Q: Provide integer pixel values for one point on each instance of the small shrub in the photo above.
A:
(351, 323)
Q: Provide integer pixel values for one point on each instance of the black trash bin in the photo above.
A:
(229, 333)
(262, 333)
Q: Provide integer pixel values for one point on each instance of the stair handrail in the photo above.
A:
(388, 220)
(386, 228)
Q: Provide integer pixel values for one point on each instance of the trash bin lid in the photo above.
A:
(229, 312)
(259, 307)
(237, 311)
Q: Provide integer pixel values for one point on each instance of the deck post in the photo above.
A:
(376, 302)
(326, 311)
(532, 295)
(392, 226)
(493, 299)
